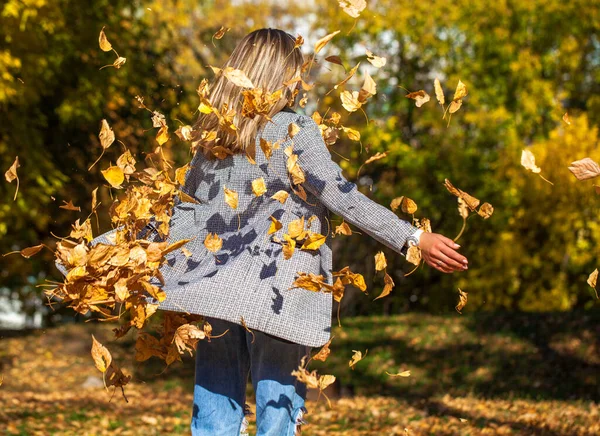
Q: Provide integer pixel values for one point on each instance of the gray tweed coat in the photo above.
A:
(249, 277)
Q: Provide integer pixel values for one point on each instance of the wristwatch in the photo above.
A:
(412, 240)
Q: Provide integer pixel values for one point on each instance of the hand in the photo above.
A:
(440, 253)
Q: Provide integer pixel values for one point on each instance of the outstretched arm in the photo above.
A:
(325, 180)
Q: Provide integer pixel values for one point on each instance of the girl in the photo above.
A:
(246, 287)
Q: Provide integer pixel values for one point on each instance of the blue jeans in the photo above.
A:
(222, 368)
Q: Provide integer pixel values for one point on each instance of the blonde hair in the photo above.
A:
(269, 58)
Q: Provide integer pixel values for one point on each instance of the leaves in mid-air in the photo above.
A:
(462, 300)
(11, 174)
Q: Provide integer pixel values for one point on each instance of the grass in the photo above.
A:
(470, 375)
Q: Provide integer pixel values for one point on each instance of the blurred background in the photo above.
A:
(530, 328)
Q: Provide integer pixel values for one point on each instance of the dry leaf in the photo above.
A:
(354, 135)
(566, 118)
(213, 243)
(259, 187)
(70, 206)
(238, 77)
(30, 251)
(353, 7)
(439, 92)
(275, 225)
(11, 174)
(470, 201)
(593, 281)
(163, 135)
(585, 169)
(101, 355)
(356, 357)
(323, 352)
(376, 61)
(119, 62)
(420, 97)
(334, 60)
(400, 374)
(350, 100)
(389, 282)
(280, 196)
(184, 133)
(343, 229)
(314, 241)
(408, 206)
(396, 202)
(323, 41)
(413, 255)
(231, 198)
(103, 41)
(486, 210)
(380, 262)
(221, 32)
(462, 300)
(114, 175)
(293, 130)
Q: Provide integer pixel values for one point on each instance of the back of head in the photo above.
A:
(269, 58)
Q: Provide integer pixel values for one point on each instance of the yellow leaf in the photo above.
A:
(593, 281)
(114, 175)
(101, 355)
(400, 374)
(314, 241)
(413, 255)
(259, 187)
(213, 243)
(11, 174)
(180, 174)
(461, 91)
(323, 352)
(310, 282)
(280, 196)
(238, 77)
(462, 300)
(221, 32)
(376, 61)
(388, 285)
(163, 135)
(103, 41)
(353, 7)
(454, 106)
(296, 227)
(566, 118)
(275, 225)
(343, 229)
(354, 135)
(288, 246)
(350, 101)
(439, 92)
(356, 357)
(486, 210)
(380, 262)
(323, 41)
(119, 62)
(184, 133)
(409, 206)
(231, 198)
(293, 129)
(396, 202)
(420, 97)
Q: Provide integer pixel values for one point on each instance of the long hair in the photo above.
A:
(269, 58)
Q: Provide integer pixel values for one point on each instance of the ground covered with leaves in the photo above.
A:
(469, 375)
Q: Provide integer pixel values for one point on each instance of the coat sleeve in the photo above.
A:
(325, 180)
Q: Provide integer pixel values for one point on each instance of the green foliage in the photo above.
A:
(525, 64)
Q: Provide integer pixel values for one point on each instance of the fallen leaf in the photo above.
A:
(221, 32)
(585, 169)
(70, 206)
(213, 243)
(439, 92)
(323, 41)
(237, 77)
(323, 352)
(356, 357)
(380, 262)
(400, 374)
(462, 300)
(593, 281)
(471, 202)
(114, 175)
(259, 187)
(343, 229)
(11, 174)
(566, 118)
(103, 41)
(280, 196)
(376, 61)
(101, 355)
(420, 97)
(231, 197)
(389, 282)
(353, 7)
(486, 210)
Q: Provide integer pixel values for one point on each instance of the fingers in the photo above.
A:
(440, 266)
(449, 242)
(453, 258)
